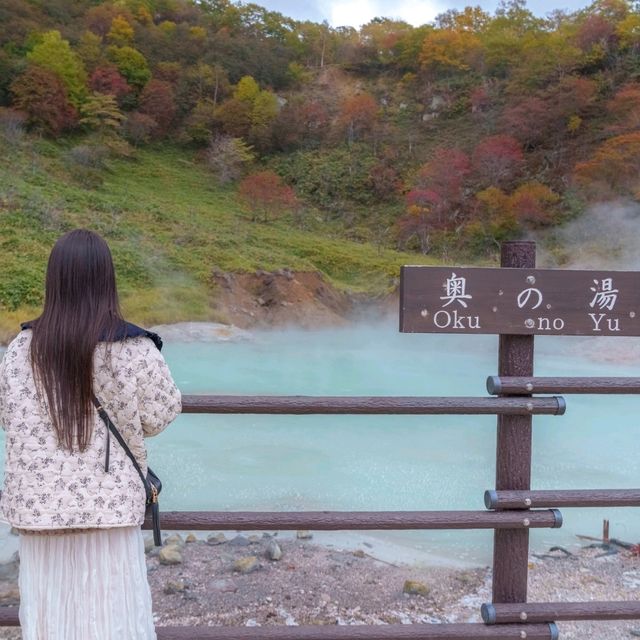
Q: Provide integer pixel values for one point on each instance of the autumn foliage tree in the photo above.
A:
(613, 169)
(266, 196)
(358, 116)
(107, 79)
(41, 94)
(496, 160)
(157, 101)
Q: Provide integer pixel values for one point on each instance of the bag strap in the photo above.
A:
(113, 429)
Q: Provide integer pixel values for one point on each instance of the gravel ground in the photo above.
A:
(314, 584)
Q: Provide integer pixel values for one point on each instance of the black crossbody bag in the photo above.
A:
(152, 484)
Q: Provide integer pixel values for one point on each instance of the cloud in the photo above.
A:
(358, 12)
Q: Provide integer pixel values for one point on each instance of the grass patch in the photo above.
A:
(169, 226)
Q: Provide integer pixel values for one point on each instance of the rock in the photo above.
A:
(246, 564)
(13, 531)
(303, 534)
(9, 570)
(254, 539)
(635, 632)
(224, 586)
(274, 552)
(175, 539)
(174, 586)
(191, 538)
(216, 538)
(239, 541)
(170, 554)
(148, 544)
(359, 553)
(9, 594)
(416, 588)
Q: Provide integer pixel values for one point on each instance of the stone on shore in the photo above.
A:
(174, 586)
(303, 534)
(416, 588)
(274, 552)
(191, 538)
(246, 564)
(170, 555)
(216, 538)
(175, 539)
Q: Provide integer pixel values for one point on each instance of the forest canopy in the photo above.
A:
(461, 133)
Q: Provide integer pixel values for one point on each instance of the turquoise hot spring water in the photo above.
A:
(253, 462)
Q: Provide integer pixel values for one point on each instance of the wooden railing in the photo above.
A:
(512, 507)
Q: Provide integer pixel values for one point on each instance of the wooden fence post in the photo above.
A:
(513, 454)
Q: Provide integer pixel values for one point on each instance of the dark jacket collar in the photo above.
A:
(125, 330)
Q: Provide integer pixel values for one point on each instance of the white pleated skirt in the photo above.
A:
(85, 586)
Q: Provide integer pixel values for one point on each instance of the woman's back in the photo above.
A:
(47, 486)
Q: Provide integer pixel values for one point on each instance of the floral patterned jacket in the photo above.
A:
(46, 486)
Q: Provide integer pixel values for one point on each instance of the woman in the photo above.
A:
(82, 563)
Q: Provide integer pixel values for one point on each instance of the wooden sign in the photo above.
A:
(519, 301)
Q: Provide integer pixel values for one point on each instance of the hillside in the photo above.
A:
(171, 229)
(206, 137)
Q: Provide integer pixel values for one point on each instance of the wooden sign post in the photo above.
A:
(517, 301)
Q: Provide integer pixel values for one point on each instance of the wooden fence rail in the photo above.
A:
(362, 520)
(396, 405)
(547, 499)
(524, 385)
(537, 612)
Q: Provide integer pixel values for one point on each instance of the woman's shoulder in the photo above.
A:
(130, 332)
(20, 342)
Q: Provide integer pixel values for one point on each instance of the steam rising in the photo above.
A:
(606, 236)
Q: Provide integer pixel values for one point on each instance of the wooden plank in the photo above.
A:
(536, 612)
(364, 632)
(513, 450)
(355, 520)
(519, 385)
(519, 301)
(9, 618)
(548, 499)
(394, 405)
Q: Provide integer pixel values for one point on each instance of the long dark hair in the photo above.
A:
(81, 308)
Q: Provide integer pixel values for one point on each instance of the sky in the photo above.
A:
(357, 12)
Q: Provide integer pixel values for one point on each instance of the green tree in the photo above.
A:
(55, 53)
(131, 64)
(264, 112)
(247, 90)
(121, 32)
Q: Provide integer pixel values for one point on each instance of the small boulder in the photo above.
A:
(246, 564)
(191, 538)
(254, 539)
(170, 555)
(175, 539)
(239, 541)
(303, 534)
(216, 538)
(174, 586)
(224, 586)
(274, 552)
(416, 588)
(148, 544)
